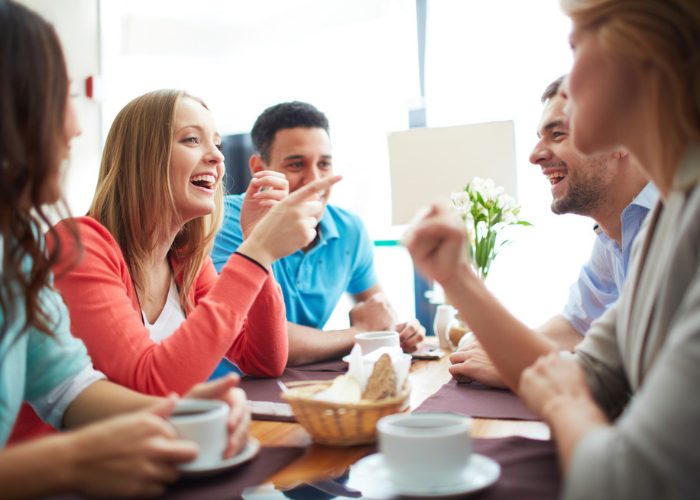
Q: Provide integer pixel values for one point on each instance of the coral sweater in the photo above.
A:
(238, 314)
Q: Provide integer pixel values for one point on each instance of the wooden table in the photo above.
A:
(319, 462)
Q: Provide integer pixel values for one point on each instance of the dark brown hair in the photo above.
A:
(33, 93)
(281, 117)
(552, 89)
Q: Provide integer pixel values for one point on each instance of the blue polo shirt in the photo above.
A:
(602, 277)
(312, 282)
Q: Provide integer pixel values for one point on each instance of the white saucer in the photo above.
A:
(480, 473)
(248, 452)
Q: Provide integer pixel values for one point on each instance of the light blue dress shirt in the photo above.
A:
(33, 364)
(312, 282)
(602, 277)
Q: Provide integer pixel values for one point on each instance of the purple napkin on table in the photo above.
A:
(267, 389)
(476, 400)
(230, 484)
(334, 365)
(529, 468)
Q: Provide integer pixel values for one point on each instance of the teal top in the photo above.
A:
(33, 363)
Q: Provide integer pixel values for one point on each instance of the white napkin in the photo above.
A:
(361, 366)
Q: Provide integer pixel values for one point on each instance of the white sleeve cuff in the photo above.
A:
(52, 405)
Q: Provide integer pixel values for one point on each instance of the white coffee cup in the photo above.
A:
(371, 341)
(202, 421)
(425, 450)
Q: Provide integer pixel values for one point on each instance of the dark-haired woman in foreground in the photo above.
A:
(40, 362)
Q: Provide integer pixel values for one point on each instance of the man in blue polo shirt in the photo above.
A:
(292, 138)
(615, 194)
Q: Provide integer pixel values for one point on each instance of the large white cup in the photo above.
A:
(371, 341)
(204, 422)
(425, 450)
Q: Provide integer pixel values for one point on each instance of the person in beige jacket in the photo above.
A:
(623, 409)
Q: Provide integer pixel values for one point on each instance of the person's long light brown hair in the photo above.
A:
(664, 33)
(134, 198)
(33, 94)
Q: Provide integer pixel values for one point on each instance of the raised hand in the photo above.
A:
(289, 225)
(227, 390)
(130, 455)
(266, 189)
(437, 243)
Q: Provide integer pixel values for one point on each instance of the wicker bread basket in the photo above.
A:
(340, 424)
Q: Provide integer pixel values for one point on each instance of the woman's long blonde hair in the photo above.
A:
(134, 198)
(664, 33)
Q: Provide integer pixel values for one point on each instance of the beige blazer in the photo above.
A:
(642, 362)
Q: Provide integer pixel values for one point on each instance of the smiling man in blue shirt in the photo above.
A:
(615, 194)
(292, 138)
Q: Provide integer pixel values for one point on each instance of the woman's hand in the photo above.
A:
(289, 225)
(552, 381)
(555, 388)
(226, 389)
(438, 245)
(266, 189)
(129, 455)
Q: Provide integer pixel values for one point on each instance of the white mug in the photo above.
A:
(371, 341)
(202, 421)
(425, 450)
(443, 317)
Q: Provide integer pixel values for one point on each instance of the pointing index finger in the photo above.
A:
(313, 188)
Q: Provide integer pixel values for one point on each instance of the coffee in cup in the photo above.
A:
(425, 450)
(371, 341)
(203, 421)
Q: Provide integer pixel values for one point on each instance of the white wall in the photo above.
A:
(77, 24)
(487, 61)
(490, 61)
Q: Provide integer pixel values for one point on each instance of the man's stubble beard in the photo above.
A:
(584, 193)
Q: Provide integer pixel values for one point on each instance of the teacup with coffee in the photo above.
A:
(203, 421)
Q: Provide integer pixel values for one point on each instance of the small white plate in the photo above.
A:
(480, 473)
(248, 452)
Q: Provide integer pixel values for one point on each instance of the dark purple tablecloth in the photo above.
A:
(476, 400)
(529, 468)
(529, 471)
(231, 484)
(226, 484)
(335, 366)
(266, 389)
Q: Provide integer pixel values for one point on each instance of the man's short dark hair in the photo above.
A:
(552, 89)
(283, 116)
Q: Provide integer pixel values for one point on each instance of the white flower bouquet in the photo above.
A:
(485, 210)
